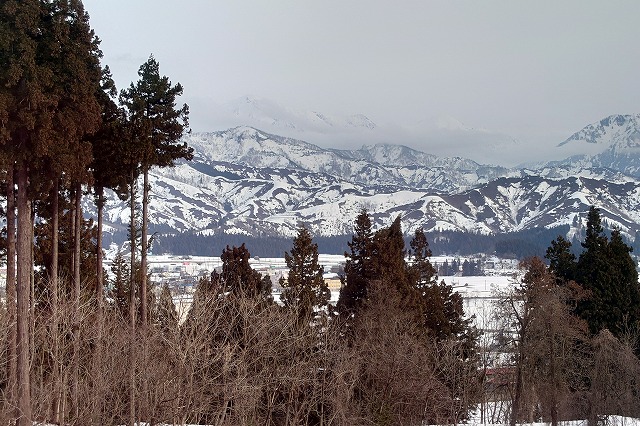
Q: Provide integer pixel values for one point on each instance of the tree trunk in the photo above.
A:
(143, 255)
(11, 290)
(99, 272)
(97, 355)
(23, 290)
(77, 231)
(53, 297)
(517, 398)
(54, 290)
(132, 305)
(76, 245)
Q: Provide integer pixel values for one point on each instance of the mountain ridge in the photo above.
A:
(249, 182)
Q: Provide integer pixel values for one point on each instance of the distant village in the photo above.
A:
(182, 273)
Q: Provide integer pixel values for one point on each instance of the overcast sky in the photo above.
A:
(535, 71)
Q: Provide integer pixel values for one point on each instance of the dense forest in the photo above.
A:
(80, 346)
(516, 245)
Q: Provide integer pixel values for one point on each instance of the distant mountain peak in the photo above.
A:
(615, 131)
(270, 115)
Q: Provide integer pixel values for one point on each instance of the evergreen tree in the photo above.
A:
(265, 287)
(623, 295)
(455, 267)
(305, 290)
(562, 262)
(49, 64)
(440, 308)
(120, 283)
(156, 127)
(237, 274)
(108, 169)
(358, 267)
(423, 272)
(607, 271)
(388, 257)
(466, 268)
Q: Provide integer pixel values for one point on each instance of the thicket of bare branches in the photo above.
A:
(237, 360)
(240, 360)
(550, 369)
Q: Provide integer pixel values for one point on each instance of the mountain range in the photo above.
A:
(249, 182)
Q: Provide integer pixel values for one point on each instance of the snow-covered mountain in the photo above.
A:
(613, 143)
(445, 135)
(246, 181)
(618, 132)
(379, 165)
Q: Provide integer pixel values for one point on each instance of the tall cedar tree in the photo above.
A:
(237, 274)
(388, 257)
(48, 61)
(107, 167)
(305, 290)
(606, 269)
(421, 271)
(156, 127)
(109, 171)
(358, 269)
(562, 262)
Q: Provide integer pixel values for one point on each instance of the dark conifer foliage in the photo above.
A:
(237, 275)
(156, 123)
(388, 257)
(440, 307)
(606, 270)
(166, 315)
(358, 269)
(562, 261)
(602, 269)
(156, 126)
(423, 272)
(119, 283)
(305, 290)
(49, 69)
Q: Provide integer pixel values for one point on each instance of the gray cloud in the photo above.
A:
(531, 71)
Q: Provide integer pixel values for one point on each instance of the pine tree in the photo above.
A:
(305, 290)
(156, 127)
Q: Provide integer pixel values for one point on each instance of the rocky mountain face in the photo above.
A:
(245, 181)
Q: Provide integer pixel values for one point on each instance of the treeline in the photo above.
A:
(516, 245)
